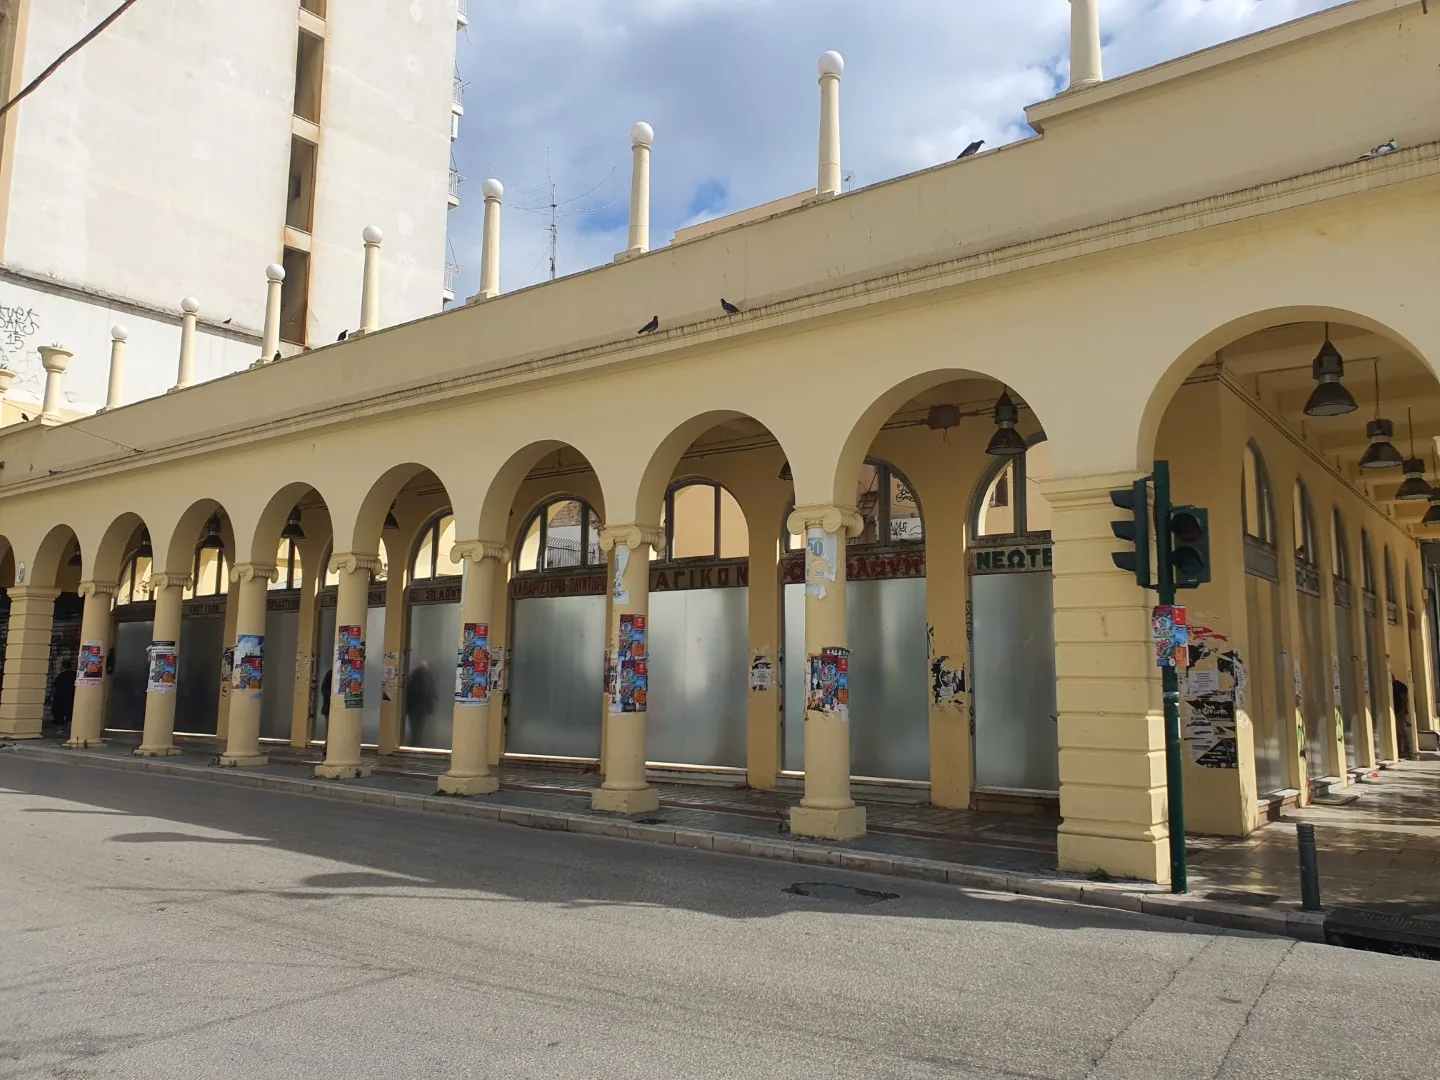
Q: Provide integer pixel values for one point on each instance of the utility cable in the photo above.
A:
(91, 36)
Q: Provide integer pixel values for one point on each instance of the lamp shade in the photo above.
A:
(293, 529)
(211, 540)
(1329, 398)
(1381, 453)
(1413, 487)
(1006, 442)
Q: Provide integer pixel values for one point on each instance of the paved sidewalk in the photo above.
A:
(1379, 849)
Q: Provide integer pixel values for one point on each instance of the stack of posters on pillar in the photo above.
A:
(164, 668)
(829, 690)
(1212, 693)
(632, 666)
(90, 667)
(350, 665)
(249, 663)
(472, 670)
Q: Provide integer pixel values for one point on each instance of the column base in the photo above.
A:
(158, 751)
(846, 824)
(327, 771)
(614, 801)
(18, 735)
(1145, 857)
(233, 761)
(82, 744)
(467, 785)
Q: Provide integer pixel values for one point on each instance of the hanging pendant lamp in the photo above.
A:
(1006, 442)
(1432, 515)
(293, 529)
(212, 540)
(145, 550)
(1329, 398)
(1381, 453)
(391, 525)
(1414, 486)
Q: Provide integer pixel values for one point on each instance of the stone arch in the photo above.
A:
(264, 539)
(116, 545)
(497, 507)
(50, 557)
(362, 532)
(179, 548)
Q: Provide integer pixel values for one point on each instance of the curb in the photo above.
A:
(1303, 926)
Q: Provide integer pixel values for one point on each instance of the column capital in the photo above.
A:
(170, 581)
(351, 563)
(97, 588)
(632, 536)
(31, 592)
(479, 550)
(832, 517)
(250, 571)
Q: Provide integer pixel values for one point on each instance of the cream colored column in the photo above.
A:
(115, 391)
(352, 608)
(1084, 43)
(370, 285)
(829, 178)
(827, 810)
(242, 734)
(158, 739)
(27, 661)
(469, 772)
(55, 360)
(88, 725)
(185, 370)
(222, 702)
(625, 790)
(494, 191)
(270, 342)
(642, 137)
(1111, 723)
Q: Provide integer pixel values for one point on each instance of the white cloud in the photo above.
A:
(729, 86)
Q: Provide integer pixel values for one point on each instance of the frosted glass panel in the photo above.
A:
(430, 675)
(197, 694)
(277, 697)
(699, 677)
(374, 672)
(128, 681)
(1013, 672)
(557, 676)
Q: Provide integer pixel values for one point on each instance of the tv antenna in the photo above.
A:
(558, 210)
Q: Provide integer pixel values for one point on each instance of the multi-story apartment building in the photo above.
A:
(195, 142)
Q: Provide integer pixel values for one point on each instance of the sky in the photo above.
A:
(553, 87)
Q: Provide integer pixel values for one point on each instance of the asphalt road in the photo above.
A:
(157, 927)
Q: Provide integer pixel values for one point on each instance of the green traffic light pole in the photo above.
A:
(1170, 686)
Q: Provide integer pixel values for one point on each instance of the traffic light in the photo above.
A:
(1135, 529)
(1189, 546)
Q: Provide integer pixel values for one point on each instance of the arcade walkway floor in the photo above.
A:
(1378, 840)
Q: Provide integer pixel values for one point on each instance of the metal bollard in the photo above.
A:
(1309, 868)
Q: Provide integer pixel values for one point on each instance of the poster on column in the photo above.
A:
(1210, 730)
(164, 664)
(90, 666)
(497, 669)
(632, 668)
(620, 593)
(829, 690)
(472, 670)
(350, 665)
(249, 668)
(821, 554)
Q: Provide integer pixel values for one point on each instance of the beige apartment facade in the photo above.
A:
(856, 533)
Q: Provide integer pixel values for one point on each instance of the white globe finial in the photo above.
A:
(372, 234)
(275, 272)
(642, 134)
(493, 189)
(190, 305)
(831, 63)
(119, 333)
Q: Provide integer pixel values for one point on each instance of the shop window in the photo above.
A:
(287, 562)
(1339, 559)
(561, 534)
(134, 586)
(332, 579)
(1256, 502)
(1012, 503)
(1305, 550)
(432, 550)
(888, 506)
(702, 520)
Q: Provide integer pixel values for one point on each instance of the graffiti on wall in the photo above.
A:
(17, 326)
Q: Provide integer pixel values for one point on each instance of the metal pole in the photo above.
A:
(1170, 684)
(1309, 867)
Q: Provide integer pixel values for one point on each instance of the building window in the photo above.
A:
(1012, 503)
(888, 506)
(295, 296)
(1367, 564)
(211, 573)
(702, 520)
(1339, 558)
(562, 534)
(332, 579)
(134, 587)
(1390, 595)
(432, 550)
(315, 7)
(1304, 527)
(1256, 502)
(1000, 491)
(300, 203)
(287, 562)
(309, 72)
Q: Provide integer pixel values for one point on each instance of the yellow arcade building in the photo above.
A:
(851, 528)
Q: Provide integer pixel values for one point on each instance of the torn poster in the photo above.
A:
(164, 664)
(472, 666)
(497, 669)
(822, 552)
(90, 665)
(829, 690)
(349, 677)
(1210, 731)
(762, 673)
(1203, 681)
(1335, 678)
(247, 675)
(621, 594)
(947, 683)
(227, 670)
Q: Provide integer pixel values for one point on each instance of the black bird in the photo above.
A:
(729, 308)
(277, 354)
(972, 149)
(651, 326)
(343, 335)
(227, 321)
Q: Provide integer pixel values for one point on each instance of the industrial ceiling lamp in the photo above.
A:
(1381, 453)
(391, 525)
(145, 550)
(292, 530)
(1413, 487)
(75, 559)
(1329, 398)
(1432, 515)
(1006, 442)
(785, 473)
(212, 540)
